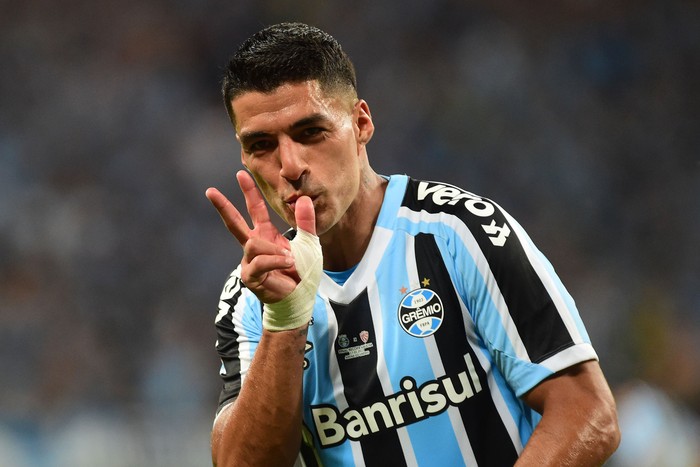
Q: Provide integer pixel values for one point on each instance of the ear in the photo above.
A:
(364, 127)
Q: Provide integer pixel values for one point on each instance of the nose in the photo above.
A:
(292, 163)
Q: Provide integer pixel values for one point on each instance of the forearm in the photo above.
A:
(263, 427)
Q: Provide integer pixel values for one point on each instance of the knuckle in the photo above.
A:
(245, 275)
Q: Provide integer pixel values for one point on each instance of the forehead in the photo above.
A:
(256, 111)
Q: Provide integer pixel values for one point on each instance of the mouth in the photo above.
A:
(291, 201)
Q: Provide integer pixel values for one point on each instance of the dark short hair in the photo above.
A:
(287, 53)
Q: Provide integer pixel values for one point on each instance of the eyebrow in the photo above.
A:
(309, 120)
(252, 135)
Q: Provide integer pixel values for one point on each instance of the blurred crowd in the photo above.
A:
(582, 119)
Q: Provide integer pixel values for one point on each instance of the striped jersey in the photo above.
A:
(420, 356)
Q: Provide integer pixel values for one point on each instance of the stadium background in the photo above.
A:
(580, 118)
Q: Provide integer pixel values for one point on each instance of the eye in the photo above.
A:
(311, 134)
(313, 131)
(259, 146)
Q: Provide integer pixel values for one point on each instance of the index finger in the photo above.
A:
(234, 221)
(254, 201)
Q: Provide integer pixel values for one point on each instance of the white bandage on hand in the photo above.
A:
(296, 309)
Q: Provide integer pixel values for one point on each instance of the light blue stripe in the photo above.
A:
(406, 353)
(252, 321)
(393, 196)
(434, 441)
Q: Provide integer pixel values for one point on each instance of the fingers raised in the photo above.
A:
(254, 201)
(235, 223)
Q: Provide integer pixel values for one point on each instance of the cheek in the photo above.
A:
(261, 167)
(267, 190)
(265, 171)
(260, 181)
(346, 185)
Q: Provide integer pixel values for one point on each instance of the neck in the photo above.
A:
(345, 244)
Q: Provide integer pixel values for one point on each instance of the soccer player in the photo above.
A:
(399, 321)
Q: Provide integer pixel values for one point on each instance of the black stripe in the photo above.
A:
(307, 450)
(361, 383)
(537, 319)
(488, 436)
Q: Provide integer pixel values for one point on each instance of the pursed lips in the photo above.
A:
(291, 201)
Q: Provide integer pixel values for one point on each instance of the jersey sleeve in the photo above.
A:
(239, 328)
(520, 308)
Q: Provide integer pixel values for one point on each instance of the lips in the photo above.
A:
(291, 201)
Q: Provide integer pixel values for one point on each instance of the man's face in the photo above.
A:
(298, 141)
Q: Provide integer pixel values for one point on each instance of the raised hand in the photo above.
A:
(267, 267)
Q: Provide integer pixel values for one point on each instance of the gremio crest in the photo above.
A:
(421, 313)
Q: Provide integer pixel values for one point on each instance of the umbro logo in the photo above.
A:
(497, 235)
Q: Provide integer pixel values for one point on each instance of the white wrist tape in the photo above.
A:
(296, 309)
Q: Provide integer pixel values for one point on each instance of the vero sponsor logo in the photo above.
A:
(451, 195)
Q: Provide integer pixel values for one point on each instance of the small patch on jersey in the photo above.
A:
(421, 313)
(364, 336)
(350, 348)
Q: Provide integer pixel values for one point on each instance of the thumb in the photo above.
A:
(304, 215)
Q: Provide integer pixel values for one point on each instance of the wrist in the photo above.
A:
(296, 309)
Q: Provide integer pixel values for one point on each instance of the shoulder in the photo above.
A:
(456, 210)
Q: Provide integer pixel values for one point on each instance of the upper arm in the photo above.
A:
(579, 420)
(578, 394)
(581, 382)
